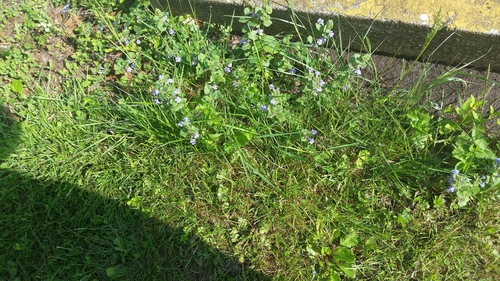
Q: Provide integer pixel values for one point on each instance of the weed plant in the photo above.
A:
(172, 149)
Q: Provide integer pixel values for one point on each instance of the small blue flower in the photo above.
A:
(171, 31)
(214, 87)
(100, 28)
(273, 101)
(260, 32)
(498, 161)
(180, 124)
(186, 120)
(358, 71)
(454, 172)
(177, 59)
(196, 136)
(129, 69)
(318, 90)
(170, 81)
(101, 70)
(271, 86)
(481, 184)
(125, 41)
(176, 92)
(482, 177)
(314, 132)
(137, 41)
(320, 41)
(263, 108)
(156, 101)
(192, 141)
(317, 73)
(321, 21)
(331, 34)
(310, 140)
(227, 69)
(155, 92)
(161, 77)
(450, 180)
(450, 189)
(66, 8)
(242, 41)
(293, 70)
(177, 99)
(321, 83)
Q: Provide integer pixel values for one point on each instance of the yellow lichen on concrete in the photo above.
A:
(472, 15)
(481, 16)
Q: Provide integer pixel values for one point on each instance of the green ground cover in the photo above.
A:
(138, 145)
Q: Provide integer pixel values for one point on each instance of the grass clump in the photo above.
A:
(168, 148)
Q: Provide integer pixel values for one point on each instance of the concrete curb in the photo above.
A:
(397, 28)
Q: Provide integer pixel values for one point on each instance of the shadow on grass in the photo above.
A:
(53, 230)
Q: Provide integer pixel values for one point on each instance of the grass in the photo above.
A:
(289, 166)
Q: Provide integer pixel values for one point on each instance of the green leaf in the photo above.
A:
(267, 23)
(268, 9)
(253, 35)
(474, 190)
(334, 277)
(247, 11)
(311, 251)
(343, 254)
(404, 217)
(363, 157)
(326, 251)
(348, 271)
(112, 272)
(17, 86)
(18, 247)
(370, 244)
(214, 137)
(438, 201)
(349, 240)
(242, 138)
